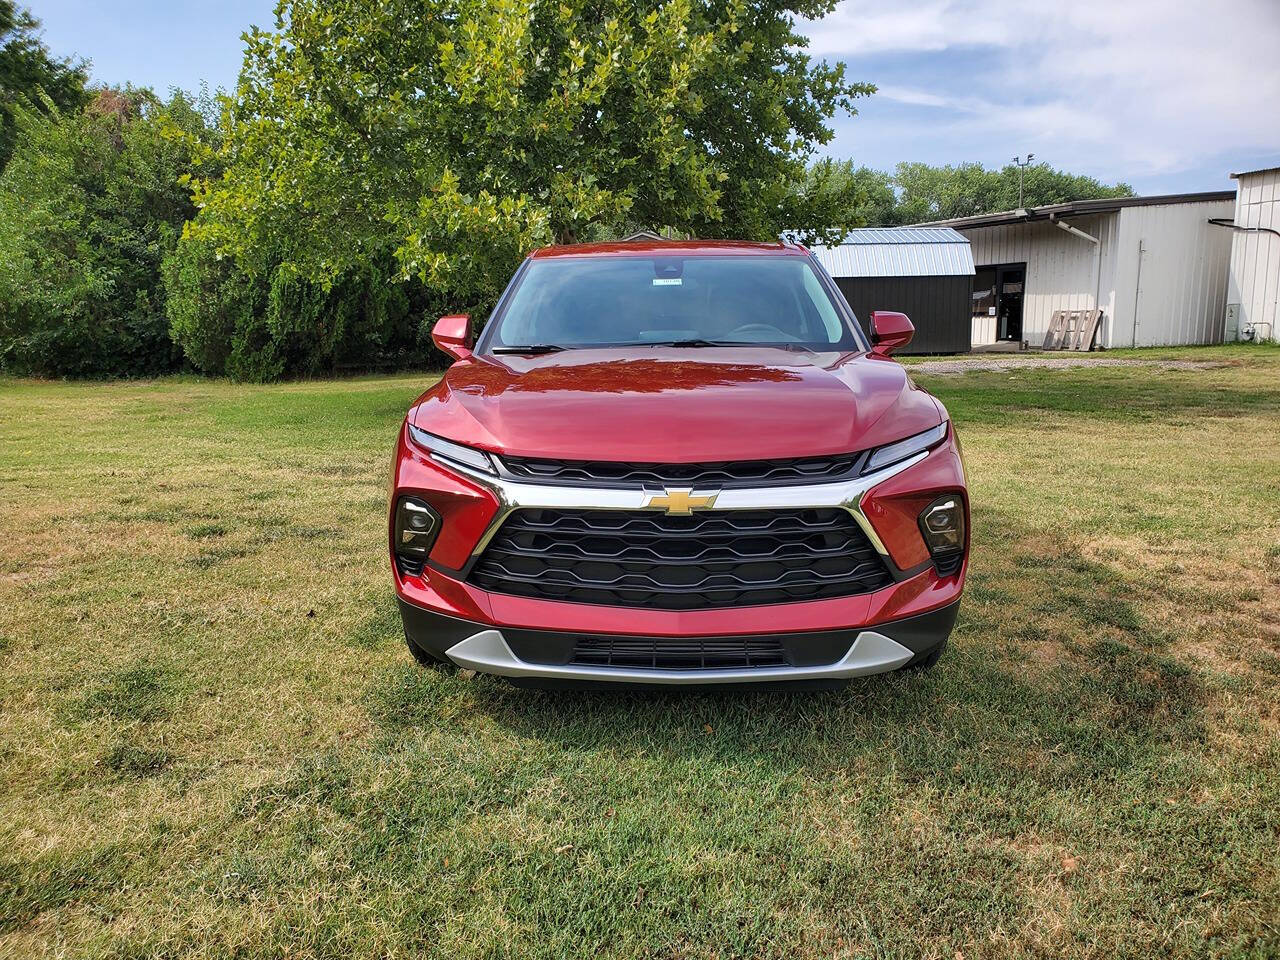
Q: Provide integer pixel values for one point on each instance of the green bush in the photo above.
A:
(209, 300)
(97, 279)
(90, 204)
(261, 329)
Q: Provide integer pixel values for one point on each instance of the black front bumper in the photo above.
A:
(435, 634)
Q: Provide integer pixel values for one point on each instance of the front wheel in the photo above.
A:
(424, 658)
(928, 661)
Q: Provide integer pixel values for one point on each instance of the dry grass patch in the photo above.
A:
(1219, 601)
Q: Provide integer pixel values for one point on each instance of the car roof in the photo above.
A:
(685, 248)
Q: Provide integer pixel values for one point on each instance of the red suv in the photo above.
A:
(677, 463)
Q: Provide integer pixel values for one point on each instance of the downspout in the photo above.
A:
(1137, 291)
(1097, 255)
(1053, 218)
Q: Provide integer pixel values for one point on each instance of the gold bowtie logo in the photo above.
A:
(679, 501)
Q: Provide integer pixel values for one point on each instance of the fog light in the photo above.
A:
(942, 524)
(417, 526)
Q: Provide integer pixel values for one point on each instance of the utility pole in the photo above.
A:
(1022, 166)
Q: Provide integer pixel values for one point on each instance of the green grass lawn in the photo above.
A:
(213, 742)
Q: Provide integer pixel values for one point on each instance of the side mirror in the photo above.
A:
(890, 331)
(452, 334)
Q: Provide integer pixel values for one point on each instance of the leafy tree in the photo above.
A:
(213, 308)
(938, 193)
(941, 193)
(450, 136)
(919, 192)
(1044, 185)
(870, 192)
(275, 322)
(29, 73)
(89, 206)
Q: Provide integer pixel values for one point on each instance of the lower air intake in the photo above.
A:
(656, 653)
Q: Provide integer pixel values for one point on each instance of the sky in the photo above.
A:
(1166, 95)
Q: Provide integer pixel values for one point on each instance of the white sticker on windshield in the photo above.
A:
(666, 281)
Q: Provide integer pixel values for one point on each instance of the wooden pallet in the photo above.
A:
(1073, 330)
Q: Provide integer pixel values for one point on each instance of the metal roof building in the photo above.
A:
(925, 272)
(1155, 266)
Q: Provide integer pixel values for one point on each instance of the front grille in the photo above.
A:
(712, 559)
(741, 473)
(709, 653)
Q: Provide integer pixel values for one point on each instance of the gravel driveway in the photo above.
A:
(957, 365)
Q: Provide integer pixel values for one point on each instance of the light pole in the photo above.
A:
(1022, 166)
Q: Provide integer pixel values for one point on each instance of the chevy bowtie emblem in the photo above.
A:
(679, 501)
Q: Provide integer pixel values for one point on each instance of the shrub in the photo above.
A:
(209, 300)
(263, 328)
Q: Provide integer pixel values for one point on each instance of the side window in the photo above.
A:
(822, 303)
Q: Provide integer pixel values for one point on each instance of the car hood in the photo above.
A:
(676, 405)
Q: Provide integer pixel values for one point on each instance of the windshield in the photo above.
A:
(568, 302)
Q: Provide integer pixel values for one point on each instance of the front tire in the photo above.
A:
(424, 658)
(928, 660)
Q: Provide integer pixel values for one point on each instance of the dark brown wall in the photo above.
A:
(938, 306)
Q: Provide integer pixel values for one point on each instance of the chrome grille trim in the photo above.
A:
(513, 495)
(722, 475)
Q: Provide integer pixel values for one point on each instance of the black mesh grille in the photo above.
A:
(708, 653)
(730, 474)
(712, 559)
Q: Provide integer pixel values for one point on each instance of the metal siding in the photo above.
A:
(939, 307)
(1255, 257)
(1073, 209)
(1177, 294)
(983, 330)
(1108, 263)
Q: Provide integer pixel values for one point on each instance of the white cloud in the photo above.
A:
(1151, 86)
(861, 27)
(919, 98)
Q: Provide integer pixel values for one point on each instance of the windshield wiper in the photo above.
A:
(693, 342)
(700, 342)
(532, 349)
(529, 348)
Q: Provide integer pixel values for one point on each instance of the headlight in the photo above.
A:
(896, 452)
(452, 453)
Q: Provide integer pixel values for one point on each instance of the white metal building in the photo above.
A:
(1155, 266)
(1253, 287)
